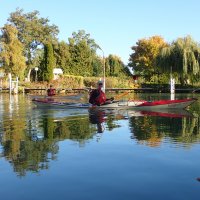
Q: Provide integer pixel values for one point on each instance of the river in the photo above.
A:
(102, 155)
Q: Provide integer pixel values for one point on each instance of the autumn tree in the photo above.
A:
(11, 52)
(33, 33)
(143, 58)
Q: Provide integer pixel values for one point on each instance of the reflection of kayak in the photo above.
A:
(138, 105)
(97, 116)
(176, 113)
(57, 97)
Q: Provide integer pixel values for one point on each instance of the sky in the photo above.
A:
(115, 25)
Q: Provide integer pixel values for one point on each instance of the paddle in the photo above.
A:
(121, 95)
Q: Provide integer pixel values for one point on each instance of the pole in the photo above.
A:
(104, 75)
(104, 71)
(36, 76)
(10, 82)
(172, 86)
(17, 85)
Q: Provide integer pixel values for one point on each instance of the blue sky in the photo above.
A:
(115, 25)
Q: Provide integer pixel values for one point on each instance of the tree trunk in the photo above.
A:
(29, 75)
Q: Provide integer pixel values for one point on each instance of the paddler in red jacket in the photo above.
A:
(98, 97)
(51, 91)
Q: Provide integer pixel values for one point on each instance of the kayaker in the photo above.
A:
(98, 97)
(51, 91)
(97, 117)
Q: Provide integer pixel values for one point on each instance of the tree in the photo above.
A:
(82, 54)
(181, 57)
(33, 32)
(97, 64)
(11, 52)
(62, 55)
(143, 59)
(83, 36)
(115, 67)
(48, 63)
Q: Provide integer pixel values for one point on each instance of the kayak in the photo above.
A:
(170, 113)
(131, 104)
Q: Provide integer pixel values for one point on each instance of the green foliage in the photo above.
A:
(111, 82)
(62, 55)
(97, 64)
(48, 63)
(33, 32)
(78, 57)
(68, 82)
(83, 36)
(82, 53)
(182, 57)
(11, 53)
(81, 59)
(115, 67)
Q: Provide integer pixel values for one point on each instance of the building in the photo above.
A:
(56, 73)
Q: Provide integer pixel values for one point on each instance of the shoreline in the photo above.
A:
(117, 90)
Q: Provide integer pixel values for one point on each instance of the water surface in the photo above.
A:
(77, 154)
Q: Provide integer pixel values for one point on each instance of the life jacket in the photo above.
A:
(97, 97)
(101, 99)
(51, 92)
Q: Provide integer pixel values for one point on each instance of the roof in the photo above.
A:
(57, 71)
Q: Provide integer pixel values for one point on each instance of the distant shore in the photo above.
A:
(117, 90)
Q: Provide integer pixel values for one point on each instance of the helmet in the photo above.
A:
(100, 82)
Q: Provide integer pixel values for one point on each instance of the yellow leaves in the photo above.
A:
(147, 50)
(12, 52)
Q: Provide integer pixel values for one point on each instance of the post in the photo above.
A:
(16, 86)
(36, 70)
(10, 82)
(172, 87)
(104, 74)
(1, 84)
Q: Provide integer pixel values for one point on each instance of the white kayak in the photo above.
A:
(135, 104)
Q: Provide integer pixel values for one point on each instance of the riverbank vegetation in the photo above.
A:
(30, 49)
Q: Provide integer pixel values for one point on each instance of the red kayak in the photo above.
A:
(133, 104)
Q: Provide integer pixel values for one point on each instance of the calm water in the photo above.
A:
(77, 154)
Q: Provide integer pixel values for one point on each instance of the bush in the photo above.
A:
(111, 82)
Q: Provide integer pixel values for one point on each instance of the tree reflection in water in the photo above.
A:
(29, 144)
(152, 130)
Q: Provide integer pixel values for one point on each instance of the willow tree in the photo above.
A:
(181, 57)
(11, 52)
